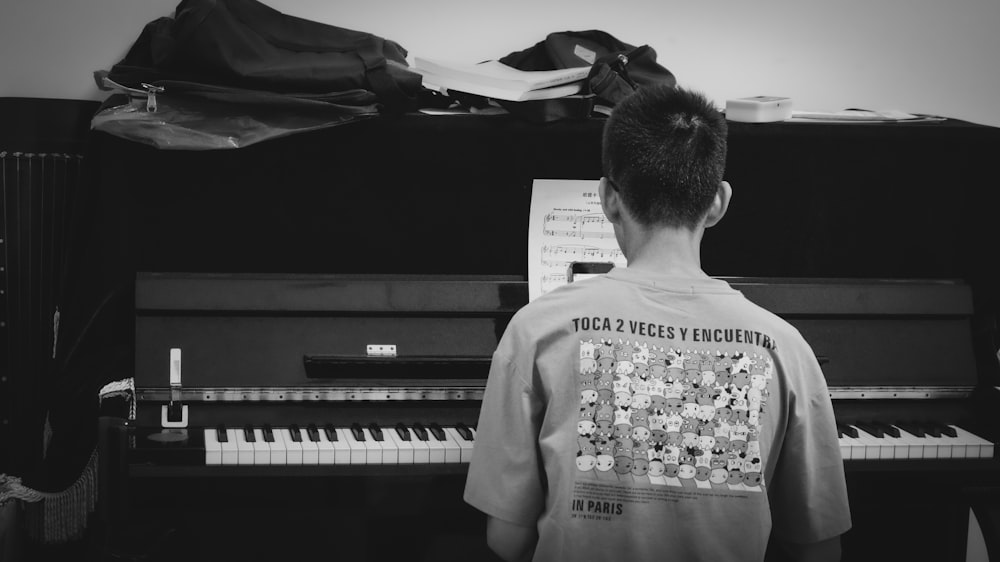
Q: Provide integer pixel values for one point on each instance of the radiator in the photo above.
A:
(37, 193)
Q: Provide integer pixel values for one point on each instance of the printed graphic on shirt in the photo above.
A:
(686, 418)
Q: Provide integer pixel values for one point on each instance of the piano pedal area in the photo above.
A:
(412, 517)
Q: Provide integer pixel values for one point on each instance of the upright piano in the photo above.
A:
(309, 323)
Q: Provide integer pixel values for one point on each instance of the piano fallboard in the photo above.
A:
(263, 331)
(297, 349)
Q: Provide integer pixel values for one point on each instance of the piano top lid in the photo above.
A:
(505, 294)
(857, 297)
(327, 293)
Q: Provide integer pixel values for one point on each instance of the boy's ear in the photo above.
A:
(611, 201)
(719, 205)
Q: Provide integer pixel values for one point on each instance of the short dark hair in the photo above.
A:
(664, 150)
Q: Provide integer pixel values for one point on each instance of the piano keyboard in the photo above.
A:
(883, 441)
(326, 444)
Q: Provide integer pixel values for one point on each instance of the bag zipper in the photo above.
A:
(149, 92)
(620, 67)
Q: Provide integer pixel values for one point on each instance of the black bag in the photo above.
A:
(247, 45)
(617, 69)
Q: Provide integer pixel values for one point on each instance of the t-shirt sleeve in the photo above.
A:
(808, 494)
(505, 474)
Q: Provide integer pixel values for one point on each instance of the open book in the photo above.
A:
(497, 80)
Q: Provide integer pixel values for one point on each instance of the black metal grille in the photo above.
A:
(37, 192)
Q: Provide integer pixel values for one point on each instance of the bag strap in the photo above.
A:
(609, 78)
(371, 52)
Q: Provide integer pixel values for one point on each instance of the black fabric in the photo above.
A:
(246, 44)
(548, 111)
(617, 68)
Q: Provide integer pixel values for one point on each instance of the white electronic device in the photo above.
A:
(759, 109)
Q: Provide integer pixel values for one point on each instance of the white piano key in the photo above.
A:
(850, 447)
(279, 453)
(977, 446)
(341, 448)
(293, 448)
(421, 450)
(464, 445)
(914, 445)
(845, 447)
(261, 450)
(941, 449)
(860, 449)
(373, 448)
(898, 449)
(473, 432)
(390, 452)
(872, 445)
(359, 451)
(404, 449)
(244, 448)
(310, 449)
(930, 446)
(230, 452)
(213, 449)
(959, 448)
(327, 454)
(452, 451)
(891, 448)
(435, 448)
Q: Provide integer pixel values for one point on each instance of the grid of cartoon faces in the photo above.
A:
(671, 417)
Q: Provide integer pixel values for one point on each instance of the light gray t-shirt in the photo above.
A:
(638, 417)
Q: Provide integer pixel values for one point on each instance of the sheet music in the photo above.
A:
(566, 224)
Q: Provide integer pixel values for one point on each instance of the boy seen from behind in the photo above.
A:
(654, 412)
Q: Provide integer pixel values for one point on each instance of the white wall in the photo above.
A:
(925, 56)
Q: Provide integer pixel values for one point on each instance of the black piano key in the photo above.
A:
(437, 432)
(847, 430)
(946, 429)
(420, 431)
(330, 431)
(911, 427)
(871, 428)
(464, 431)
(376, 431)
(221, 434)
(931, 429)
(402, 431)
(887, 429)
(312, 432)
(359, 434)
(296, 434)
(248, 434)
(268, 432)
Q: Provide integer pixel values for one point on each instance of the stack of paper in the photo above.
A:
(494, 79)
(858, 116)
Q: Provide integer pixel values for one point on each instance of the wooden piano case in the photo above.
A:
(446, 198)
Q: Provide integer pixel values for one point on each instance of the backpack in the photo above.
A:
(617, 69)
(248, 46)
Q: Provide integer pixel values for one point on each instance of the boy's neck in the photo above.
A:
(670, 251)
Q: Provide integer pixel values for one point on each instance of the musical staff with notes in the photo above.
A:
(566, 225)
(577, 226)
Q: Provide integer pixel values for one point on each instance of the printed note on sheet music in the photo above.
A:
(566, 224)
